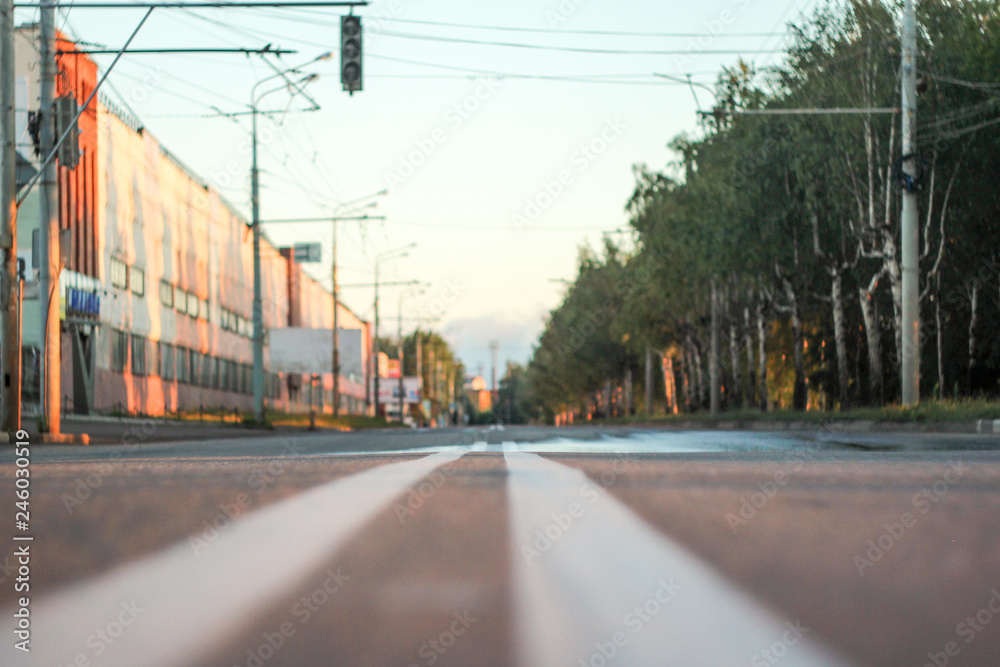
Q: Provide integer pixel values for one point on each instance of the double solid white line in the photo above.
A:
(595, 585)
(180, 606)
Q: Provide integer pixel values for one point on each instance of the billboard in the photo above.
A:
(298, 350)
(388, 390)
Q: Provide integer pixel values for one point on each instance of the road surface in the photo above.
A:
(521, 547)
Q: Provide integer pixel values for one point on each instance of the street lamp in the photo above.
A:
(389, 254)
(336, 298)
(399, 335)
(258, 309)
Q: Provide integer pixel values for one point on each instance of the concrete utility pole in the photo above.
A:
(48, 263)
(494, 348)
(10, 328)
(911, 225)
(336, 333)
(390, 254)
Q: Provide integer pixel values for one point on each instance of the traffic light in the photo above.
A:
(350, 53)
(69, 150)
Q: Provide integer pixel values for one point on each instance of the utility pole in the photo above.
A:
(494, 348)
(911, 226)
(390, 254)
(336, 333)
(258, 306)
(10, 328)
(49, 229)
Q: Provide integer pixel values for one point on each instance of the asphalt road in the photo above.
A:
(526, 546)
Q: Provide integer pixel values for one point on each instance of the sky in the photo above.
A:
(500, 161)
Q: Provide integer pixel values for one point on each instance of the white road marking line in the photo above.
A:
(480, 446)
(583, 564)
(193, 604)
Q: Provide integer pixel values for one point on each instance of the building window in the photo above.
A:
(192, 305)
(119, 273)
(137, 280)
(180, 300)
(138, 355)
(119, 351)
(181, 357)
(167, 360)
(203, 308)
(224, 319)
(166, 294)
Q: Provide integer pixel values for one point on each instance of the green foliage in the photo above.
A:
(769, 208)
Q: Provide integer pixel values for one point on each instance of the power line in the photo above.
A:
(575, 49)
(553, 31)
(311, 18)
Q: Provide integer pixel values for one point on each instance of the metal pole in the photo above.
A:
(10, 311)
(49, 230)
(258, 309)
(399, 352)
(336, 334)
(911, 226)
(375, 341)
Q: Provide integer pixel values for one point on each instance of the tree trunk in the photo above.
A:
(685, 380)
(840, 336)
(940, 339)
(628, 392)
(748, 396)
(736, 373)
(876, 395)
(649, 381)
(714, 370)
(896, 288)
(799, 393)
(973, 319)
(669, 386)
(762, 395)
(699, 371)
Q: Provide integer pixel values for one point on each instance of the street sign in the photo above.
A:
(308, 253)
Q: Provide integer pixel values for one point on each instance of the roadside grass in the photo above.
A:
(929, 411)
(289, 419)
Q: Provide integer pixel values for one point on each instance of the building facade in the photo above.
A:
(156, 290)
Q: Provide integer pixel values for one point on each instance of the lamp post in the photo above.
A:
(389, 254)
(399, 336)
(336, 300)
(258, 308)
